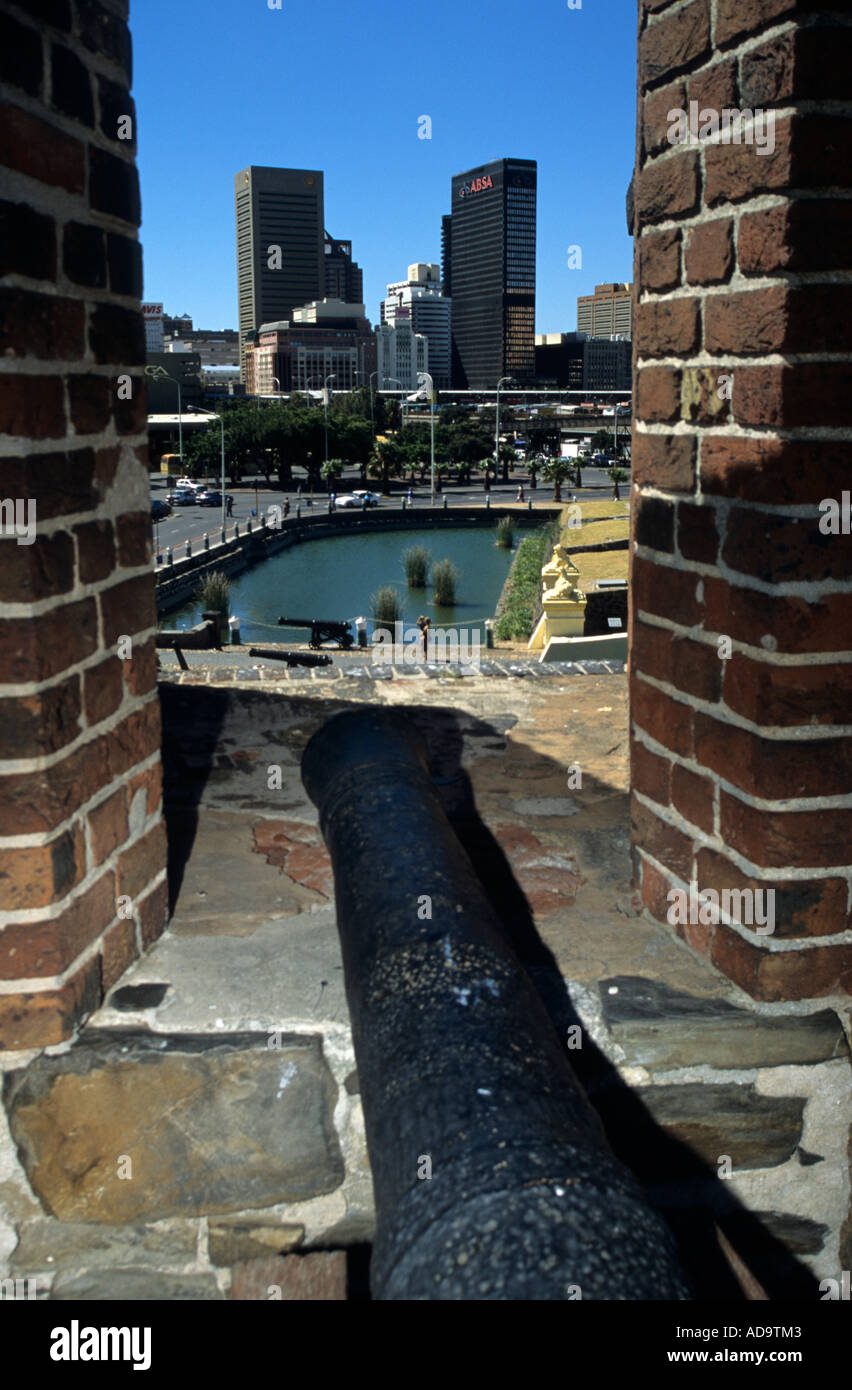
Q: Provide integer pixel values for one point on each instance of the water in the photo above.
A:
(334, 578)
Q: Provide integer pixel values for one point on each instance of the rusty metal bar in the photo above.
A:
(492, 1177)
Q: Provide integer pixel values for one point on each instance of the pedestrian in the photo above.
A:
(333, 500)
(286, 506)
(520, 496)
(230, 505)
(424, 624)
(410, 497)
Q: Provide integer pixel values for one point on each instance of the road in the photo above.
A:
(190, 523)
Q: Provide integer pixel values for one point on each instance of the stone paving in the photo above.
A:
(203, 1138)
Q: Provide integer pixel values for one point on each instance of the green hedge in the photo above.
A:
(523, 593)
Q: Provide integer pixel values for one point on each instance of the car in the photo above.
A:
(188, 484)
(349, 499)
(209, 497)
(183, 497)
(372, 498)
(159, 509)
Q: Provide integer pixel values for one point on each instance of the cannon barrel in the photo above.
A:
(291, 658)
(492, 1176)
(313, 622)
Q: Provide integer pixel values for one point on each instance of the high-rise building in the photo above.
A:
(344, 278)
(608, 312)
(322, 339)
(280, 244)
(489, 265)
(401, 354)
(575, 361)
(559, 359)
(420, 303)
(152, 315)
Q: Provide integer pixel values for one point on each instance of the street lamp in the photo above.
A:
(423, 377)
(211, 416)
(615, 417)
(332, 376)
(372, 416)
(497, 428)
(158, 373)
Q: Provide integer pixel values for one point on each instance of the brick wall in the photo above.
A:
(82, 846)
(741, 750)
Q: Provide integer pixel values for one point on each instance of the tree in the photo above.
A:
(557, 471)
(618, 475)
(331, 470)
(603, 442)
(388, 460)
(508, 457)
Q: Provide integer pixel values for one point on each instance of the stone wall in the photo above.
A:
(82, 846)
(741, 601)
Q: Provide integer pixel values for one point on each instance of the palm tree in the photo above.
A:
(618, 475)
(557, 471)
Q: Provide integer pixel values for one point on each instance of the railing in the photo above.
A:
(491, 1173)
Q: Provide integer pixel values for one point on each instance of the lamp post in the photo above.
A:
(372, 415)
(421, 378)
(615, 418)
(211, 416)
(331, 377)
(497, 428)
(158, 373)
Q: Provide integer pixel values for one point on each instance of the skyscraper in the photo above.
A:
(419, 302)
(344, 278)
(280, 244)
(608, 312)
(489, 267)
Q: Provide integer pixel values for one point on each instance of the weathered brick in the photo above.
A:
(140, 672)
(785, 471)
(734, 20)
(95, 550)
(103, 690)
(813, 234)
(676, 42)
(84, 255)
(668, 187)
(659, 260)
(34, 478)
(50, 1016)
(655, 116)
(692, 796)
(40, 724)
(666, 591)
(662, 841)
(775, 769)
(38, 876)
(103, 32)
(89, 400)
(666, 461)
(139, 863)
(654, 523)
(773, 976)
(705, 395)
(815, 907)
(30, 950)
(649, 773)
(784, 549)
(779, 696)
(153, 914)
(40, 325)
(657, 394)
(692, 667)
(71, 85)
(108, 825)
(124, 257)
(37, 648)
(783, 839)
(668, 327)
(810, 393)
(118, 952)
(20, 55)
(697, 535)
(115, 102)
(44, 569)
(113, 185)
(710, 252)
(134, 539)
(117, 335)
(668, 722)
(715, 87)
(775, 622)
(36, 148)
(27, 242)
(128, 608)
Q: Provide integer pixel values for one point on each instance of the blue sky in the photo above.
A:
(220, 84)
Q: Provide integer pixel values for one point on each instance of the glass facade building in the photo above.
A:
(488, 246)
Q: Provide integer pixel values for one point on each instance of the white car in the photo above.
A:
(348, 499)
(186, 484)
(373, 498)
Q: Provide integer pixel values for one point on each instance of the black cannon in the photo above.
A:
(291, 658)
(323, 631)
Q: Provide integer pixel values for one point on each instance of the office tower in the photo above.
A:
(489, 264)
(280, 244)
(152, 315)
(446, 253)
(608, 312)
(419, 301)
(344, 278)
(322, 339)
(401, 354)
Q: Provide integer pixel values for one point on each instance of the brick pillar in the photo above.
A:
(82, 844)
(741, 621)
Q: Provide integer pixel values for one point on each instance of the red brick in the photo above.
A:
(95, 550)
(794, 624)
(786, 839)
(813, 234)
(653, 523)
(664, 461)
(780, 550)
(810, 393)
(44, 569)
(666, 592)
(715, 87)
(655, 116)
(659, 260)
(103, 690)
(802, 908)
(117, 335)
(34, 649)
(674, 43)
(735, 20)
(667, 187)
(34, 477)
(785, 471)
(36, 148)
(697, 536)
(710, 253)
(779, 696)
(663, 842)
(775, 976)
(27, 242)
(693, 667)
(37, 725)
(649, 773)
(140, 670)
(31, 950)
(41, 875)
(128, 608)
(135, 739)
(32, 407)
(151, 781)
(134, 540)
(755, 321)
(89, 398)
(153, 914)
(668, 327)
(130, 414)
(114, 189)
(692, 796)
(118, 952)
(658, 394)
(108, 825)
(733, 172)
(774, 769)
(667, 721)
(48, 1017)
(655, 889)
(139, 863)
